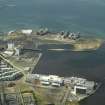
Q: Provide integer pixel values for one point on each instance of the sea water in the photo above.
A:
(85, 16)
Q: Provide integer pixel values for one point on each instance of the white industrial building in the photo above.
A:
(10, 46)
(10, 49)
(80, 85)
(79, 90)
(44, 80)
(27, 31)
(55, 80)
(18, 50)
(31, 77)
(51, 80)
(9, 53)
(13, 50)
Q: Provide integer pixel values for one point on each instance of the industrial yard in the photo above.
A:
(73, 88)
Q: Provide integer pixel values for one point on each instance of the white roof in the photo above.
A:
(6, 68)
(57, 80)
(55, 84)
(80, 87)
(9, 53)
(44, 78)
(49, 78)
(26, 31)
(44, 82)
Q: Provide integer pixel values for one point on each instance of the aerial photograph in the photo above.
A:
(52, 52)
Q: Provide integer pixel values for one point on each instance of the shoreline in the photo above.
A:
(80, 44)
(36, 62)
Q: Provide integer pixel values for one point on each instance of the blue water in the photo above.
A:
(86, 16)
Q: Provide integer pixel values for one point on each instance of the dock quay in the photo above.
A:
(36, 62)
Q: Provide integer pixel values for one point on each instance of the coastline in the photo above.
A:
(84, 43)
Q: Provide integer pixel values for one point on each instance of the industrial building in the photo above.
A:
(51, 80)
(79, 90)
(27, 31)
(77, 84)
(13, 50)
(18, 50)
(80, 85)
(10, 46)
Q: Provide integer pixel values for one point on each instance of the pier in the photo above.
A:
(35, 63)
